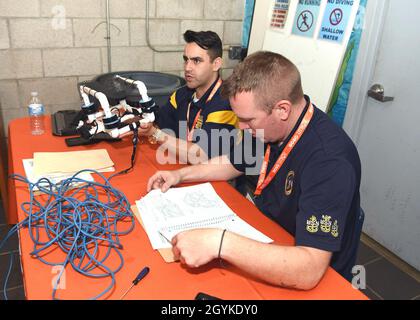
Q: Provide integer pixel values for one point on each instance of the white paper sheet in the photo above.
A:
(179, 209)
(28, 165)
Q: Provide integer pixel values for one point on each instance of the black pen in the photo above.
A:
(140, 276)
(165, 237)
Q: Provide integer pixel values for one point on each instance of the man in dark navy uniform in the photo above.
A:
(196, 113)
(309, 181)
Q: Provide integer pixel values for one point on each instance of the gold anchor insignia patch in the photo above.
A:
(326, 224)
(199, 123)
(334, 231)
(312, 225)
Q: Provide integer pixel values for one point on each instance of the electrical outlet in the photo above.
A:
(235, 53)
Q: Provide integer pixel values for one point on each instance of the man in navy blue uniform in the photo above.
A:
(309, 181)
(196, 113)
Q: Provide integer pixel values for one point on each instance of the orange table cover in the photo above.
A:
(165, 280)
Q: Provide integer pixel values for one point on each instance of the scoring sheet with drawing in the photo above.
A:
(179, 209)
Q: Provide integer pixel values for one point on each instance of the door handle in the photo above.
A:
(377, 92)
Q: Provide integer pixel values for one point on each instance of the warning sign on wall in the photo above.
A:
(279, 16)
(306, 17)
(336, 20)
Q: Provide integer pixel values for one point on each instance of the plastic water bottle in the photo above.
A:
(36, 114)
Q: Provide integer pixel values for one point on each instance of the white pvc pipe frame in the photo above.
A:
(148, 117)
(140, 86)
(115, 133)
(103, 100)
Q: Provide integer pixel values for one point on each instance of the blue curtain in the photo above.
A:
(246, 28)
(338, 106)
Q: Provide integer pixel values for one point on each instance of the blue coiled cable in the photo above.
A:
(74, 219)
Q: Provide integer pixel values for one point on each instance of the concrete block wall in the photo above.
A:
(50, 45)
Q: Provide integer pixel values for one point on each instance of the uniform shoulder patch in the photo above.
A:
(334, 230)
(326, 224)
(312, 225)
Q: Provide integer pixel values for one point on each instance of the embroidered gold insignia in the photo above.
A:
(288, 185)
(199, 123)
(312, 225)
(334, 231)
(326, 224)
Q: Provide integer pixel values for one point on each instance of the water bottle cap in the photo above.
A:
(34, 93)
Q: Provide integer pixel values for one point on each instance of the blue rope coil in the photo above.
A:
(73, 218)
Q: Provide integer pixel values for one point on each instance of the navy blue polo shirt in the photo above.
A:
(315, 194)
(216, 115)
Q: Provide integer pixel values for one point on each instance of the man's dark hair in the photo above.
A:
(207, 40)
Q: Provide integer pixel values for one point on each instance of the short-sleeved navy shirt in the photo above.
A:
(315, 194)
(216, 115)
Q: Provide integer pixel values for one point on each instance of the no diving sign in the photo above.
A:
(336, 19)
(306, 17)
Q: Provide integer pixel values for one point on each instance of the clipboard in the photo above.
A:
(167, 253)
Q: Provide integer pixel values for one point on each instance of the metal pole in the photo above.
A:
(108, 35)
(148, 33)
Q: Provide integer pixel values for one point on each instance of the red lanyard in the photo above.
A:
(191, 132)
(262, 180)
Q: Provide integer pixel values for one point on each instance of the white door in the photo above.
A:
(388, 133)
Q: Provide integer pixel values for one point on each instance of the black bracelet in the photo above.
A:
(220, 248)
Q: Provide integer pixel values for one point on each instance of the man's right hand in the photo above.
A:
(163, 180)
(146, 129)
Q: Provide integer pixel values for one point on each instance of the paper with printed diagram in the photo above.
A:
(179, 209)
